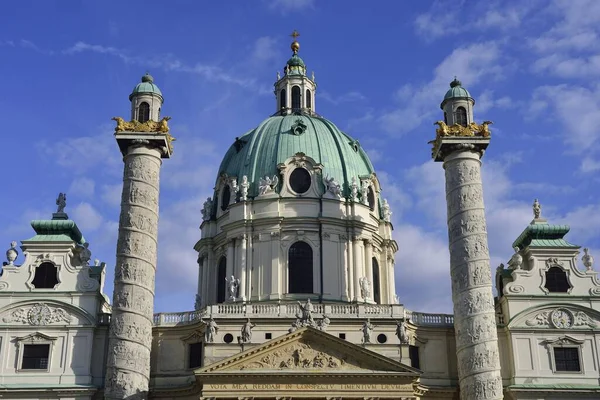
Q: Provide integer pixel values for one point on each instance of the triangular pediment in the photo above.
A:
(308, 350)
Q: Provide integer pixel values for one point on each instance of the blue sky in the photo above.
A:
(382, 69)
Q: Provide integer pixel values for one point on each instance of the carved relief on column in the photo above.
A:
(474, 319)
(130, 336)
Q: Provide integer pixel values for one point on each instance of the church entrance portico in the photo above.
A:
(308, 364)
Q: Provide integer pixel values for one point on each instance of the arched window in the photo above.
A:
(308, 99)
(46, 276)
(300, 268)
(556, 280)
(296, 98)
(225, 198)
(144, 112)
(371, 198)
(282, 99)
(461, 116)
(376, 282)
(221, 275)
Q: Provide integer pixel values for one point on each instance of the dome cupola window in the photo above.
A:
(308, 99)
(300, 268)
(300, 180)
(225, 198)
(371, 198)
(296, 100)
(144, 112)
(282, 99)
(557, 281)
(376, 281)
(221, 279)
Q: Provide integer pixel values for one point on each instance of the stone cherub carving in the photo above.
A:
(516, 260)
(267, 185)
(387, 212)
(401, 332)
(247, 331)
(366, 329)
(365, 287)
(207, 210)
(324, 323)
(332, 186)
(61, 202)
(233, 284)
(587, 259)
(85, 255)
(244, 188)
(537, 209)
(211, 330)
(12, 253)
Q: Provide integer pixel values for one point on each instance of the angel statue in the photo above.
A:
(207, 210)
(401, 332)
(516, 260)
(211, 330)
(354, 190)
(233, 284)
(61, 202)
(367, 328)
(332, 186)
(387, 212)
(244, 188)
(85, 255)
(266, 184)
(247, 331)
(365, 287)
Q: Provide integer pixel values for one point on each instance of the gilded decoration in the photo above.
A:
(149, 126)
(456, 130)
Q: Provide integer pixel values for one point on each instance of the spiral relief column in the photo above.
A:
(474, 317)
(130, 337)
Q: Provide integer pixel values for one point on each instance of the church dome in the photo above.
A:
(456, 91)
(146, 86)
(257, 153)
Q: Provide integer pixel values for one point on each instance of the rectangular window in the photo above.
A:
(268, 336)
(342, 336)
(566, 359)
(35, 356)
(413, 353)
(195, 355)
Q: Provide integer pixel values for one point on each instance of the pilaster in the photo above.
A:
(474, 319)
(369, 267)
(358, 266)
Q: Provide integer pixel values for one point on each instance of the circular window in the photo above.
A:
(300, 180)
(226, 198)
(381, 338)
(228, 338)
(371, 198)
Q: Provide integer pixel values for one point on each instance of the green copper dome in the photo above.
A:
(146, 86)
(257, 153)
(295, 61)
(456, 91)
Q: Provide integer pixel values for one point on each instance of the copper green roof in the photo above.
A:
(543, 235)
(57, 230)
(456, 91)
(257, 153)
(146, 86)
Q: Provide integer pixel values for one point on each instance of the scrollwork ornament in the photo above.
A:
(516, 289)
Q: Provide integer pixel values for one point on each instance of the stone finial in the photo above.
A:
(61, 202)
(537, 209)
(12, 253)
(587, 259)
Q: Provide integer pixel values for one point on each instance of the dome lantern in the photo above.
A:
(295, 92)
(146, 100)
(457, 104)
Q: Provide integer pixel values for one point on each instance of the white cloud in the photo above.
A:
(471, 64)
(82, 187)
(264, 49)
(589, 165)
(111, 194)
(87, 217)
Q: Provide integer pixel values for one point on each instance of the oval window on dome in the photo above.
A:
(300, 180)
(371, 198)
(225, 198)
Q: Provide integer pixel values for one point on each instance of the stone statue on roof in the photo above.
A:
(61, 202)
(537, 209)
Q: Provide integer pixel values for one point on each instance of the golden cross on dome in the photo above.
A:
(295, 34)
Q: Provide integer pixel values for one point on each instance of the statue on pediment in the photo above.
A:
(367, 329)
(211, 330)
(247, 331)
(516, 260)
(61, 203)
